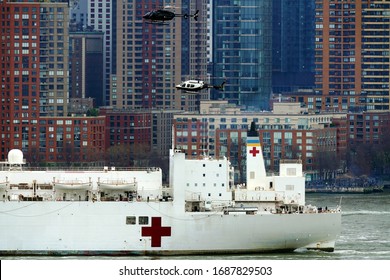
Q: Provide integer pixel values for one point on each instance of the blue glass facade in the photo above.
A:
(293, 45)
(242, 49)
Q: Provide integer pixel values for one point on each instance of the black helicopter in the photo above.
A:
(163, 15)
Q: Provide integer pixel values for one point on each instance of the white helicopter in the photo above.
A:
(197, 85)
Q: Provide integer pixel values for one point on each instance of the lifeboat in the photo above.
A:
(117, 185)
(72, 185)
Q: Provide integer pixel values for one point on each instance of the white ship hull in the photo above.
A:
(86, 228)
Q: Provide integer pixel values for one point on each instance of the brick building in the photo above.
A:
(68, 141)
(220, 130)
(351, 53)
(33, 69)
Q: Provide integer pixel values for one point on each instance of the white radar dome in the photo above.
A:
(15, 156)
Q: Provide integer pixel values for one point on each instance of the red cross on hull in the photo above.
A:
(156, 231)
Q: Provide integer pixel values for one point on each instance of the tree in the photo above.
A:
(325, 162)
(140, 154)
(155, 160)
(119, 155)
(93, 112)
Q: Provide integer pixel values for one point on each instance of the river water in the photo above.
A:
(365, 226)
(365, 231)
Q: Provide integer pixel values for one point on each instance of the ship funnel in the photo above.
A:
(255, 168)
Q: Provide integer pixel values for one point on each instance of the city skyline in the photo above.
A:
(50, 52)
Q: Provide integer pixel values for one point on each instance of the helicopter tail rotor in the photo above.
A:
(220, 87)
(195, 16)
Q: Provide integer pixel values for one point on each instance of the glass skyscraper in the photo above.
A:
(293, 45)
(242, 51)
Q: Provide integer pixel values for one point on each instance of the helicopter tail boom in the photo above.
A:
(221, 86)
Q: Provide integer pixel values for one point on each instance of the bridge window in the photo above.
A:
(130, 220)
(143, 220)
(289, 187)
(291, 171)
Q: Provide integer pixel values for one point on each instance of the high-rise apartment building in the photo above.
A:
(194, 40)
(33, 69)
(195, 46)
(375, 54)
(242, 51)
(53, 57)
(102, 17)
(146, 69)
(150, 61)
(352, 54)
(34, 74)
(86, 67)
